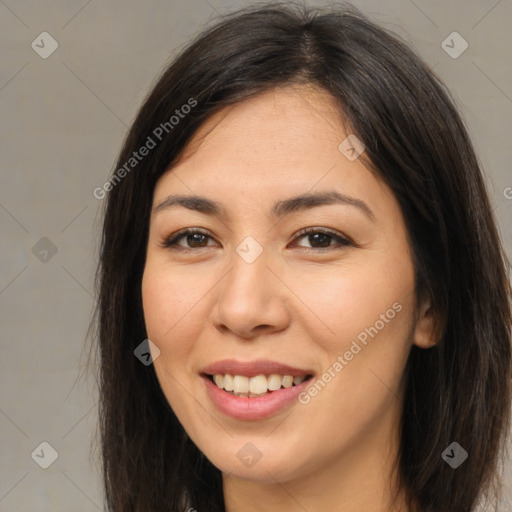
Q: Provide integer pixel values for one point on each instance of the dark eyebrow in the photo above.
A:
(197, 203)
(280, 209)
(311, 200)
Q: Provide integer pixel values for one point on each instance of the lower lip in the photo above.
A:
(244, 408)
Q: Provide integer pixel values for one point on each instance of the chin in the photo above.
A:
(249, 463)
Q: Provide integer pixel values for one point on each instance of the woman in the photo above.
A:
(303, 298)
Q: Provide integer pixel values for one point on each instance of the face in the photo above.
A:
(335, 302)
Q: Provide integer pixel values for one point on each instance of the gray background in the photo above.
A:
(63, 120)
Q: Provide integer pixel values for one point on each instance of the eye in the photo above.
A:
(195, 237)
(320, 239)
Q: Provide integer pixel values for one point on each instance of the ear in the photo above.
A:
(423, 335)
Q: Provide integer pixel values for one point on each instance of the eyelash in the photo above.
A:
(170, 243)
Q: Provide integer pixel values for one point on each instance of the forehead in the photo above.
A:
(282, 121)
(281, 142)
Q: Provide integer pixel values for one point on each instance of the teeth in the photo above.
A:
(219, 380)
(228, 382)
(274, 382)
(287, 381)
(241, 384)
(258, 385)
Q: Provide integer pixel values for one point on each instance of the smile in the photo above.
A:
(259, 385)
(248, 406)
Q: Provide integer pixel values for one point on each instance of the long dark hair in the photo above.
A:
(458, 391)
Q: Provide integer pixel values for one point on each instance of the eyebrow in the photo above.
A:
(278, 210)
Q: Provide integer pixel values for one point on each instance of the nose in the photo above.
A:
(252, 299)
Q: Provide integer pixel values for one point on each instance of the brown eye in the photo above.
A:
(321, 239)
(194, 239)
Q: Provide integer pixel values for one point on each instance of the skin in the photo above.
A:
(299, 308)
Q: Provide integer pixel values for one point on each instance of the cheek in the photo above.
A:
(168, 307)
(365, 359)
(347, 300)
(174, 318)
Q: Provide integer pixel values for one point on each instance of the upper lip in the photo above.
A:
(253, 368)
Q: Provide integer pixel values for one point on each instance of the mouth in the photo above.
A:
(255, 386)
(251, 399)
(254, 390)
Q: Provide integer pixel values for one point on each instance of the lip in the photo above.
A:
(253, 368)
(257, 408)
